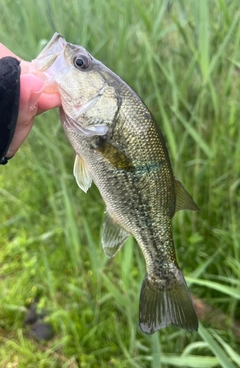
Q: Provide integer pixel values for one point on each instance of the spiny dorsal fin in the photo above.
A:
(183, 199)
(81, 174)
(114, 236)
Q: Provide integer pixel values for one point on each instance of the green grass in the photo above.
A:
(183, 59)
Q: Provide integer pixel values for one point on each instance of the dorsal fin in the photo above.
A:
(114, 236)
(81, 174)
(183, 199)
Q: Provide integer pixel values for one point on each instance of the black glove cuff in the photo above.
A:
(9, 102)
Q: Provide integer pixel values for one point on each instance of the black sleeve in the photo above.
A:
(9, 102)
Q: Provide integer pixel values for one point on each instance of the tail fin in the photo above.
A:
(166, 303)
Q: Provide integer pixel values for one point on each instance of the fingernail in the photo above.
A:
(34, 97)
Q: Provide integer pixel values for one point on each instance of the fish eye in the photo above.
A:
(82, 62)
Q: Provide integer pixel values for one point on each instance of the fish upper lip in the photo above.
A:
(74, 103)
(72, 122)
(89, 131)
(80, 108)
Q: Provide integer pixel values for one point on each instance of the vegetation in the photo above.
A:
(183, 59)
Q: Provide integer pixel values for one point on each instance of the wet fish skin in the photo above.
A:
(119, 146)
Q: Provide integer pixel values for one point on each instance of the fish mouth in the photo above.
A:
(49, 62)
(49, 54)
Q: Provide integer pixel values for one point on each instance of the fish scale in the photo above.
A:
(120, 148)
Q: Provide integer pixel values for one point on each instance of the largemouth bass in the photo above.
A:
(121, 149)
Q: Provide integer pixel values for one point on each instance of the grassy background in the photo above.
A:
(183, 59)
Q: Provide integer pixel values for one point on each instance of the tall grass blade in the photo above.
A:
(223, 358)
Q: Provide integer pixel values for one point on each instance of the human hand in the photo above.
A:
(33, 101)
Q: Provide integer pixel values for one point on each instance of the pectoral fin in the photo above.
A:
(114, 236)
(183, 199)
(81, 174)
(112, 154)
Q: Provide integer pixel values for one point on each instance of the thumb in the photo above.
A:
(31, 88)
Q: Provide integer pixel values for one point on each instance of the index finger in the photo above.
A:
(47, 100)
(4, 51)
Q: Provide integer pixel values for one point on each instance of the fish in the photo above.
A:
(121, 148)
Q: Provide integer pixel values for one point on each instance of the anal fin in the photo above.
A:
(81, 174)
(114, 236)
